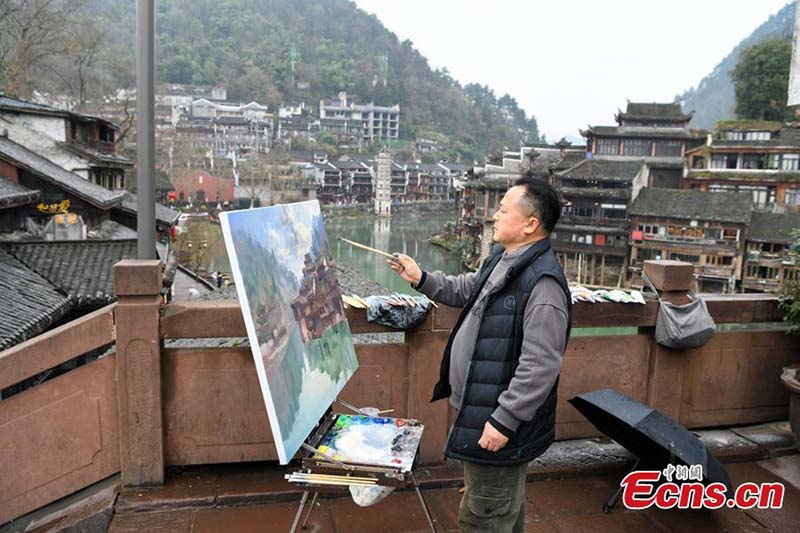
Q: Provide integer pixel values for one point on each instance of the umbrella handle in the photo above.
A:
(612, 501)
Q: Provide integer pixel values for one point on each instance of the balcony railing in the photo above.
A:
(596, 192)
(593, 220)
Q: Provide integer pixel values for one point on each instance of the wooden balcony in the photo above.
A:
(149, 404)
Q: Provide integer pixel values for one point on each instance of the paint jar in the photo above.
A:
(369, 411)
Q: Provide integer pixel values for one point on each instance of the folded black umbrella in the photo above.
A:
(653, 437)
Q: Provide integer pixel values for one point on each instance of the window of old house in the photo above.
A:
(790, 162)
(668, 149)
(752, 161)
(773, 161)
(792, 197)
(608, 147)
(730, 234)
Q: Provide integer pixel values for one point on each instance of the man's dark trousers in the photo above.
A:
(494, 499)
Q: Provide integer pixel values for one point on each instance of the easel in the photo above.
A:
(315, 462)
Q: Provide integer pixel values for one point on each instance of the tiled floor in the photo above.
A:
(572, 505)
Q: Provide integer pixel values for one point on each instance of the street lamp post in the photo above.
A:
(145, 129)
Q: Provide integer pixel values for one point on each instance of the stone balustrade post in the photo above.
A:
(672, 279)
(426, 344)
(137, 284)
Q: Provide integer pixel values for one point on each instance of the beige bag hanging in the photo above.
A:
(682, 327)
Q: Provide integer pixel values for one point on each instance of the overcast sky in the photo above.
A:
(575, 62)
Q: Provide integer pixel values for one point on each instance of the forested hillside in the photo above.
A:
(249, 46)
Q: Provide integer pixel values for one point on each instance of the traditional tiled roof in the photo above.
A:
(7, 102)
(97, 156)
(693, 205)
(367, 159)
(654, 111)
(429, 168)
(163, 183)
(13, 194)
(758, 125)
(762, 176)
(44, 168)
(81, 269)
(164, 214)
(16, 105)
(29, 304)
(603, 169)
(455, 167)
(570, 159)
(665, 162)
(303, 156)
(772, 227)
(232, 121)
(642, 132)
(350, 166)
(786, 137)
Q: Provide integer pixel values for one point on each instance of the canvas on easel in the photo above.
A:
(293, 313)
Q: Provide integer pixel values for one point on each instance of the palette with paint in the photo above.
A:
(375, 441)
(381, 448)
(371, 455)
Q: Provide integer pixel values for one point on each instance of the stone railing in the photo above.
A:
(153, 404)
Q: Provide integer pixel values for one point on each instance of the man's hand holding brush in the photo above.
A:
(406, 268)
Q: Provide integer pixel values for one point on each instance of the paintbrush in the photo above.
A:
(335, 476)
(329, 482)
(294, 478)
(367, 248)
(376, 251)
(331, 476)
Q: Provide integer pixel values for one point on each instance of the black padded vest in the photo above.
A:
(494, 361)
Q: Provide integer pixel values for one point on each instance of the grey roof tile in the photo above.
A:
(772, 227)
(23, 105)
(49, 171)
(97, 156)
(164, 214)
(13, 194)
(645, 132)
(693, 205)
(655, 110)
(603, 169)
(81, 269)
(29, 304)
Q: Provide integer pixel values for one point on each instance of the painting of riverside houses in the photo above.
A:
(293, 312)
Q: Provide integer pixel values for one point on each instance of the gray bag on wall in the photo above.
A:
(682, 326)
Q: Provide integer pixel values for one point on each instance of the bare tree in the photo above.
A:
(75, 68)
(264, 174)
(33, 32)
(128, 118)
(254, 177)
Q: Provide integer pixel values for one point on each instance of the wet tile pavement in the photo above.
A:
(573, 505)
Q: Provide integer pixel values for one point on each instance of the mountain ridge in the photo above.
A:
(283, 50)
(713, 99)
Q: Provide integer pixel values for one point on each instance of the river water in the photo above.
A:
(404, 233)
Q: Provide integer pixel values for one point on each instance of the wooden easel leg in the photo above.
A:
(310, 508)
(423, 503)
(299, 512)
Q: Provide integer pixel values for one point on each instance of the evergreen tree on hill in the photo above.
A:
(761, 81)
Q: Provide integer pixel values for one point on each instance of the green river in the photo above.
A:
(407, 234)
(402, 233)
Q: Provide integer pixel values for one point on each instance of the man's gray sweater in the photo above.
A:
(544, 338)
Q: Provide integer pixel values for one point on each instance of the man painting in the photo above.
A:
(501, 364)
